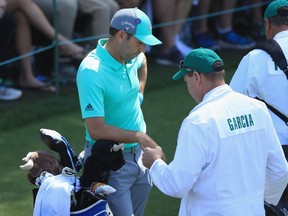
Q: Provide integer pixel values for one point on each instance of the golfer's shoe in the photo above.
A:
(56, 142)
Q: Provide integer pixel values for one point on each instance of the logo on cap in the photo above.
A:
(127, 25)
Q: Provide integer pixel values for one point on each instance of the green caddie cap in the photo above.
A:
(201, 60)
(272, 8)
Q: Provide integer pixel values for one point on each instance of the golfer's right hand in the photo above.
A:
(145, 141)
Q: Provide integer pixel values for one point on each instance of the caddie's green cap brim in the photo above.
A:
(179, 74)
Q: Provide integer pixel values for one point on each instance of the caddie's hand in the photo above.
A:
(150, 155)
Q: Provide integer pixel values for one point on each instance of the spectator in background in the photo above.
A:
(66, 12)
(93, 16)
(23, 45)
(100, 13)
(38, 20)
(6, 25)
(27, 13)
(169, 11)
(257, 21)
(8, 93)
(203, 37)
(226, 36)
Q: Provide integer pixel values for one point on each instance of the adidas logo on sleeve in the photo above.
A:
(89, 107)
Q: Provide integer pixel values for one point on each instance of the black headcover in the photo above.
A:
(102, 160)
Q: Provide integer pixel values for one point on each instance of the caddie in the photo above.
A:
(228, 158)
(258, 76)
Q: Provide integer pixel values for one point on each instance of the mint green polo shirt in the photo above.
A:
(110, 89)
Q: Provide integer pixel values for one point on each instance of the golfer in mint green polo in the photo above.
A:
(111, 82)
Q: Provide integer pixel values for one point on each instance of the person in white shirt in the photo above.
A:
(257, 75)
(228, 157)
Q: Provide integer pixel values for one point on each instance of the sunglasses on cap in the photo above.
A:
(217, 66)
(188, 69)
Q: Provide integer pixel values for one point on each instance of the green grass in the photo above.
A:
(166, 103)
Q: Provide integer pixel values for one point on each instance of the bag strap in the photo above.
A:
(275, 111)
(274, 50)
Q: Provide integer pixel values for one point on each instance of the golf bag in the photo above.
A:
(85, 195)
(99, 208)
(279, 210)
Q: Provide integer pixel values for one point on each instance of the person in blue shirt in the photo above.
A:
(111, 81)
